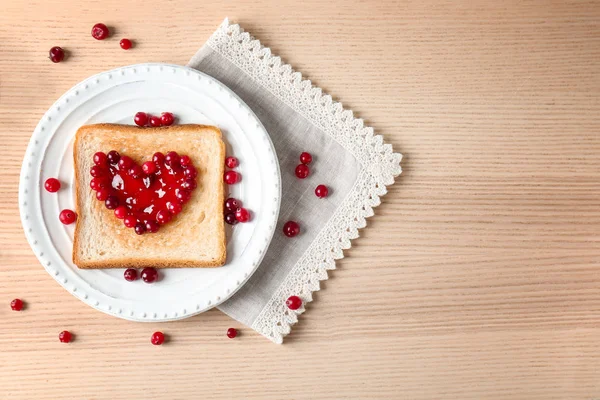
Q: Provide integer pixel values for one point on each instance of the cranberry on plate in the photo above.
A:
(67, 216)
(52, 185)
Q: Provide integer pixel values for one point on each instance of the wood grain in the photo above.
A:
(478, 277)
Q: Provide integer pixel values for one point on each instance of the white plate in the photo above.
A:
(115, 96)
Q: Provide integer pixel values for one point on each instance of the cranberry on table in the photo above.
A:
(125, 44)
(231, 162)
(231, 177)
(163, 217)
(305, 158)
(140, 228)
(56, 54)
(231, 333)
(293, 302)
(100, 158)
(242, 215)
(113, 157)
(167, 119)
(302, 171)
(102, 194)
(130, 274)
(67, 216)
(16, 305)
(232, 204)
(321, 191)
(149, 167)
(149, 275)
(130, 221)
(154, 121)
(100, 31)
(140, 118)
(65, 337)
(230, 218)
(291, 229)
(121, 212)
(52, 185)
(157, 338)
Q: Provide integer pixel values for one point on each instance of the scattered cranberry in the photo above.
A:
(163, 217)
(185, 161)
(157, 338)
(102, 194)
(100, 158)
(140, 228)
(111, 202)
(65, 337)
(52, 185)
(172, 159)
(16, 305)
(302, 171)
(67, 217)
(293, 302)
(56, 54)
(231, 162)
(230, 218)
(130, 274)
(113, 157)
(231, 333)
(189, 184)
(125, 163)
(174, 208)
(125, 44)
(167, 119)
(232, 204)
(242, 215)
(140, 118)
(129, 221)
(152, 226)
(149, 275)
(231, 177)
(100, 32)
(305, 158)
(321, 191)
(149, 167)
(154, 121)
(121, 212)
(158, 158)
(291, 229)
(96, 171)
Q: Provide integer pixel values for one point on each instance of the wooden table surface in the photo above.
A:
(477, 278)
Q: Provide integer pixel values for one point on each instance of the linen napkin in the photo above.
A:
(348, 158)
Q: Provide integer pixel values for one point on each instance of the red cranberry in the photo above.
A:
(130, 274)
(120, 212)
(140, 118)
(52, 185)
(321, 191)
(113, 157)
(149, 275)
(231, 162)
(291, 229)
(102, 194)
(67, 217)
(95, 183)
(232, 204)
(231, 177)
(97, 171)
(135, 171)
(154, 121)
(65, 337)
(125, 163)
(140, 228)
(185, 161)
(190, 172)
(100, 158)
(242, 215)
(189, 184)
(158, 158)
(111, 202)
(157, 338)
(56, 54)
(129, 221)
(16, 305)
(231, 333)
(152, 226)
(230, 218)
(174, 208)
(149, 167)
(125, 44)
(293, 302)
(172, 158)
(302, 171)
(167, 119)
(305, 158)
(163, 217)
(100, 31)
(183, 196)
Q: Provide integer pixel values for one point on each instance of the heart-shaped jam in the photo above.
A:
(146, 196)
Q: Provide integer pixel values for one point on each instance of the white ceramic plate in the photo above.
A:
(115, 96)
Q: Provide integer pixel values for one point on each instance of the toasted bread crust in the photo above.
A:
(126, 262)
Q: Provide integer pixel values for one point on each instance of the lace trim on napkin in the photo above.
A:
(379, 167)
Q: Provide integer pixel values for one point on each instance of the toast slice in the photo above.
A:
(194, 238)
